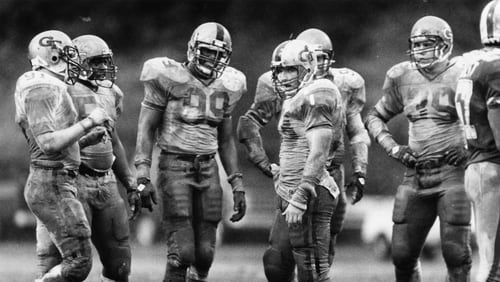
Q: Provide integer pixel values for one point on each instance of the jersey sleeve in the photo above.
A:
(357, 91)
(118, 101)
(155, 96)
(41, 106)
(492, 85)
(236, 83)
(391, 102)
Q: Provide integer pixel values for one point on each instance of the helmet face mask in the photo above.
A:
(293, 67)
(53, 50)
(322, 46)
(97, 60)
(209, 50)
(431, 42)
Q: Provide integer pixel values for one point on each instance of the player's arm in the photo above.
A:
(51, 140)
(229, 159)
(493, 104)
(121, 167)
(263, 109)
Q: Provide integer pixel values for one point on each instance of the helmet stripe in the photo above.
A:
(220, 33)
(490, 24)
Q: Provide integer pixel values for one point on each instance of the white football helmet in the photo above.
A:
(295, 55)
(54, 51)
(322, 45)
(97, 60)
(489, 24)
(435, 33)
(209, 50)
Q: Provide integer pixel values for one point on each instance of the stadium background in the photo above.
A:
(368, 36)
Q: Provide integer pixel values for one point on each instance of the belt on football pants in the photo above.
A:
(429, 163)
(87, 171)
(190, 157)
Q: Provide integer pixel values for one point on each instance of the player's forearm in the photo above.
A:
(378, 129)
(319, 140)
(494, 121)
(146, 132)
(55, 141)
(120, 166)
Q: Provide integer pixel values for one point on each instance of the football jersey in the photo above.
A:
(479, 90)
(43, 105)
(352, 89)
(316, 105)
(429, 105)
(100, 156)
(191, 110)
(267, 104)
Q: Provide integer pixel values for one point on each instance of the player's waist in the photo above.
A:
(85, 170)
(189, 157)
(57, 167)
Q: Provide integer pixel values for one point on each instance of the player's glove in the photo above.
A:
(147, 193)
(134, 202)
(356, 187)
(239, 206)
(456, 156)
(239, 202)
(404, 154)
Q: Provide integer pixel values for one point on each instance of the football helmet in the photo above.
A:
(322, 45)
(209, 50)
(430, 35)
(296, 57)
(54, 51)
(97, 60)
(489, 24)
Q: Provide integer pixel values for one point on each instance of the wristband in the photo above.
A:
(86, 124)
(233, 176)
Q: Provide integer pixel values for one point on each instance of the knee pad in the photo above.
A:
(116, 265)
(77, 263)
(455, 242)
(275, 268)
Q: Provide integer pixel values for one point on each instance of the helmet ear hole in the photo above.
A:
(54, 58)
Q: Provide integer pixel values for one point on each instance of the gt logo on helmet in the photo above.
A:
(48, 41)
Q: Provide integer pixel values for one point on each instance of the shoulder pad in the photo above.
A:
(265, 88)
(234, 80)
(399, 69)
(164, 69)
(318, 88)
(31, 78)
(351, 78)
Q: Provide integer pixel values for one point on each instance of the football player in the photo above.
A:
(312, 119)
(98, 189)
(190, 104)
(478, 101)
(268, 105)
(48, 119)
(424, 90)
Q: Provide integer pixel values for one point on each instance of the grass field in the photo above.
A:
(233, 262)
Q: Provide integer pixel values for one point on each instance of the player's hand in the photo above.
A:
(96, 135)
(293, 215)
(134, 202)
(265, 167)
(98, 116)
(239, 206)
(456, 156)
(405, 155)
(147, 191)
(356, 187)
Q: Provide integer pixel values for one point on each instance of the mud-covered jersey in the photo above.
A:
(191, 110)
(478, 91)
(429, 105)
(352, 89)
(316, 105)
(100, 156)
(43, 105)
